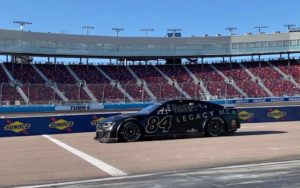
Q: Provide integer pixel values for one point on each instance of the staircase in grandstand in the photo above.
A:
(173, 82)
(142, 83)
(287, 78)
(82, 83)
(15, 83)
(50, 83)
(257, 79)
(197, 81)
(230, 81)
(115, 83)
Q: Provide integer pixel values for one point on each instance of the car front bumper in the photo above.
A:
(103, 136)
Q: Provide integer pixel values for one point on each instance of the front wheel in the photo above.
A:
(215, 127)
(131, 132)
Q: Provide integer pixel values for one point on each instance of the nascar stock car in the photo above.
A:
(170, 118)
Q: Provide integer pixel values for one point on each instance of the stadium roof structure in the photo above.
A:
(67, 45)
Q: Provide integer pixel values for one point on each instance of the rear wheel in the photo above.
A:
(215, 127)
(131, 132)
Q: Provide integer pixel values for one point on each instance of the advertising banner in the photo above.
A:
(271, 114)
(50, 125)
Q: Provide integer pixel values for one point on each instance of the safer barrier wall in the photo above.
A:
(50, 125)
(86, 123)
(269, 114)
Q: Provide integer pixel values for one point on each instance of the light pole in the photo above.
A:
(146, 30)
(231, 29)
(174, 30)
(22, 24)
(125, 91)
(103, 92)
(289, 26)
(117, 30)
(88, 27)
(260, 27)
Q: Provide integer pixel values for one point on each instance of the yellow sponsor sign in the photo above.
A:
(17, 127)
(276, 114)
(244, 115)
(61, 124)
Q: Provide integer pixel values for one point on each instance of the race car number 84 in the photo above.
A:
(154, 123)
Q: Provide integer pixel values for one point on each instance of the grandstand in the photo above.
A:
(29, 82)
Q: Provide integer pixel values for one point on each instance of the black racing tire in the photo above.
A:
(131, 132)
(215, 127)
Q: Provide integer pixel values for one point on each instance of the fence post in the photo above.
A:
(1, 94)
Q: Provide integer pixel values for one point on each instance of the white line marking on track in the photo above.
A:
(92, 160)
(246, 182)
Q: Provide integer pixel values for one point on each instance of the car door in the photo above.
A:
(204, 111)
(160, 121)
(184, 116)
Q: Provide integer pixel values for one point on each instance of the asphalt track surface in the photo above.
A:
(48, 159)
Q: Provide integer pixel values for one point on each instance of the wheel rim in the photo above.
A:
(215, 128)
(131, 132)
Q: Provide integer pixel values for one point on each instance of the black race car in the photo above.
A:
(171, 118)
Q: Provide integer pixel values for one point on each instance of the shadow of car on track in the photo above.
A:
(201, 136)
(244, 133)
(255, 133)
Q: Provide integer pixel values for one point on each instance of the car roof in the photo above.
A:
(188, 100)
(181, 100)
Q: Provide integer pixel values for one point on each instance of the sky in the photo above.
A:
(194, 17)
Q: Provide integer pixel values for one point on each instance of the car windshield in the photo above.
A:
(150, 108)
